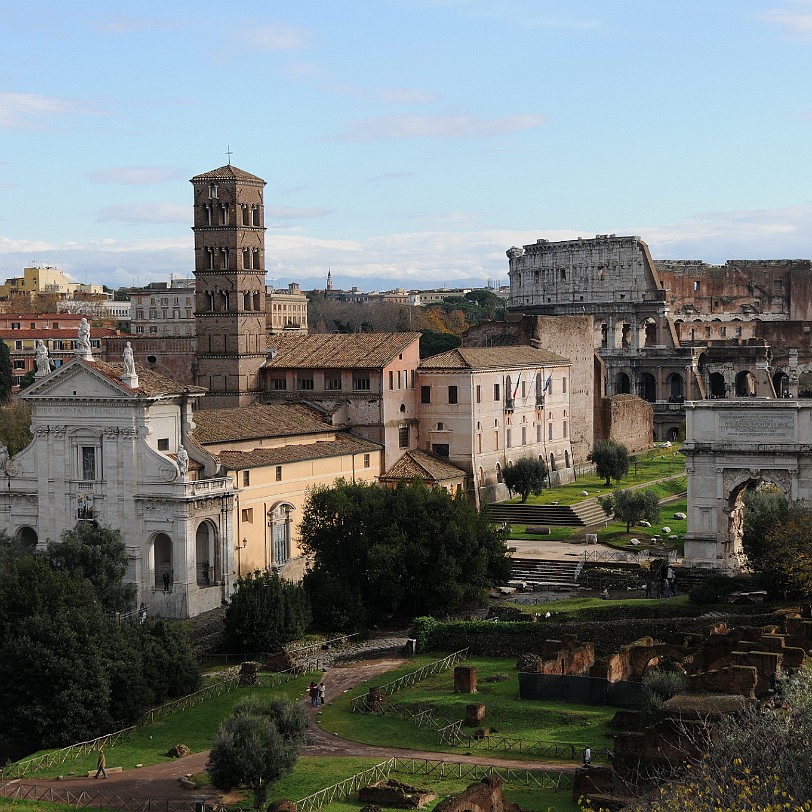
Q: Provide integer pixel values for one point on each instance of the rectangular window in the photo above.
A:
(425, 394)
(304, 384)
(403, 437)
(452, 394)
(248, 515)
(478, 393)
(278, 473)
(564, 385)
(366, 460)
(19, 365)
(163, 444)
(508, 438)
(88, 462)
(496, 391)
(696, 284)
(332, 382)
(391, 380)
(524, 389)
(246, 479)
(549, 431)
(360, 384)
(279, 384)
(440, 449)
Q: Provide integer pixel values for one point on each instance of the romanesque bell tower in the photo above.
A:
(229, 228)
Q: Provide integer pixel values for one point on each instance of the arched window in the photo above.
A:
(552, 461)
(498, 472)
(162, 562)
(207, 559)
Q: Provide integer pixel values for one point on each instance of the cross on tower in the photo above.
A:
(229, 153)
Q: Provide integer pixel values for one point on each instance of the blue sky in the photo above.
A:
(405, 142)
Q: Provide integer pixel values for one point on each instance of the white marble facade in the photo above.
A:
(104, 451)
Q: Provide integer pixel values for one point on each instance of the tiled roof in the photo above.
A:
(150, 383)
(343, 444)
(492, 358)
(43, 333)
(257, 420)
(226, 173)
(423, 466)
(337, 350)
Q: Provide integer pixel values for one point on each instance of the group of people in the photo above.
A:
(663, 584)
(316, 694)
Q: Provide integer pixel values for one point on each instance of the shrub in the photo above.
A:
(713, 589)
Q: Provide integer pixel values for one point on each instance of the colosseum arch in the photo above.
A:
(730, 446)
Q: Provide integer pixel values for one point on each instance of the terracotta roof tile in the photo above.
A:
(257, 420)
(337, 350)
(492, 358)
(227, 173)
(343, 444)
(150, 383)
(423, 466)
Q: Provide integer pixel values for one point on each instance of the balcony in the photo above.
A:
(208, 487)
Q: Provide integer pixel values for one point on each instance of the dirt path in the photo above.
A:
(160, 781)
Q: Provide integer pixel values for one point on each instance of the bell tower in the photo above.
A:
(230, 321)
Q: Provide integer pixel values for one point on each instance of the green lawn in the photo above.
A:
(506, 714)
(615, 535)
(194, 727)
(570, 607)
(657, 464)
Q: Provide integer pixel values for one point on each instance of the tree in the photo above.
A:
(99, 555)
(632, 506)
(6, 378)
(257, 745)
(396, 551)
(266, 611)
(611, 460)
(15, 427)
(525, 476)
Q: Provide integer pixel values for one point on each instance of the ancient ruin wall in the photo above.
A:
(627, 419)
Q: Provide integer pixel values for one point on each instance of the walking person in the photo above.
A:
(314, 694)
(321, 691)
(587, 756)
(102, 765)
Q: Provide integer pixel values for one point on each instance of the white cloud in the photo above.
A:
(449, 125)
(275, 37)
(32, 111)
(794, 19)
(136, 175)
(136, 213)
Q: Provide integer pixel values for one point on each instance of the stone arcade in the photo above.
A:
(729, 446)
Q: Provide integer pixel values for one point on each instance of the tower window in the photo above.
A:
(213, 190)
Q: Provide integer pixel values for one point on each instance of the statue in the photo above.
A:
(182, 458)
(129, 361)
(42, 360)
(4, 456)
(83, 338)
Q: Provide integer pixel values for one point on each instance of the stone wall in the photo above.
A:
(485, 796)
(174, 357)
(627, 419)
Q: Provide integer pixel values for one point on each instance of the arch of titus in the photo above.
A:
(729, 445)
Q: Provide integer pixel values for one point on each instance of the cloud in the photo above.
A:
(292, 213)
(795, 19)
(275, 37)
(388, 128)
(137, 213)
(136, 175)
(32, 111)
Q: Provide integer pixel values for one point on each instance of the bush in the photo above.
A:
(660, 685)
(713, 589)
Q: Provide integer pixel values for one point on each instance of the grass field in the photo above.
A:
(657, 464)
(194, 727)
(506, 713)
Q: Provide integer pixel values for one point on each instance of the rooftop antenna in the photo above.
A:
(229, 153)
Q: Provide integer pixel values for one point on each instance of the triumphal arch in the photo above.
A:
(730, 445)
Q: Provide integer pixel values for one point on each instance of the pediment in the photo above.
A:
(76, 379)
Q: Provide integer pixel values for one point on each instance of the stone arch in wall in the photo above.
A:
(731, 446)
(623, 384)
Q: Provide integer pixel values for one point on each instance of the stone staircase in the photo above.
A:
(582, 514)
(546, 574)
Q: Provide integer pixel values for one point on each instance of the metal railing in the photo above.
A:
(359, 705)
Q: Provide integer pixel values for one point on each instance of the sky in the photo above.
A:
(405, 143)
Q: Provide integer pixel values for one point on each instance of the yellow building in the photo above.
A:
(274, 454)
(45, 279)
